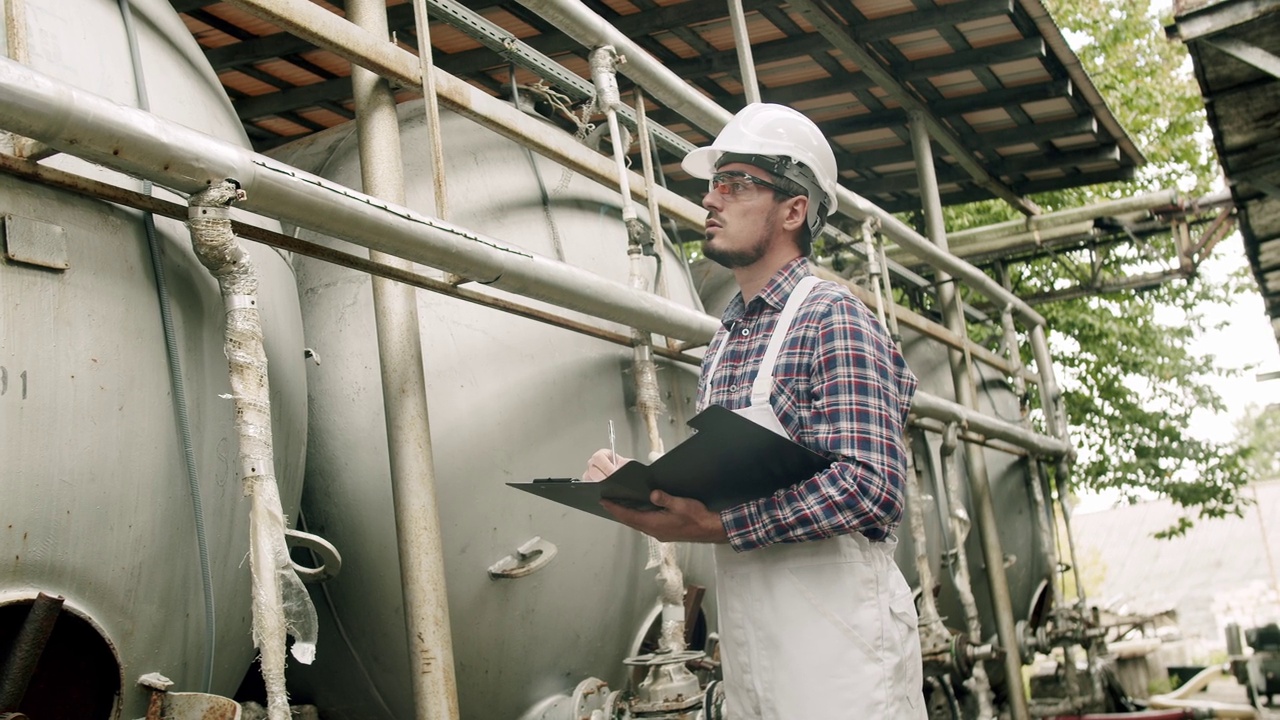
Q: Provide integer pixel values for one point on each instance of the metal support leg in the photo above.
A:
(404, 395)
(966, 395)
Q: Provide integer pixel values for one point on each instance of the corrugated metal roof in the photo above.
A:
(980, 67)
(1235, 47)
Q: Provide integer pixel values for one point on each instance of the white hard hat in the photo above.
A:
(776, 131)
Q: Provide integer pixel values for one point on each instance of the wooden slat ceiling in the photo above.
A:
(1235, 48)
(995, 73)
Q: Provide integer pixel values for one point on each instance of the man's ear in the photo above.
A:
(797, 209)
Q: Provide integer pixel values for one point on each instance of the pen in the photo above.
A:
(613, 450)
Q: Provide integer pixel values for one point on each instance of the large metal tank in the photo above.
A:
(94, 501)
(510, 400)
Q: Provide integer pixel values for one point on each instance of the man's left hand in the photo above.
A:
(677, 519)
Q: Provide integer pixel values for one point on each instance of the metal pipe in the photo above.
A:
(143, 145)
(28, 646)
(647, 163)
(1087, 213)
(431, 101)
(966, 395)
(742, 41)
(933, 634)
(62, 180)
(280, 603)
(404, 396)
(1050, 394)
(960, 523)
(933, 407)
(579, 22)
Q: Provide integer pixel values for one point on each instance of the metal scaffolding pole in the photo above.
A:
(404, 396)
(975, 460)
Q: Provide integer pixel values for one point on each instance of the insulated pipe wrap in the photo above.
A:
(280, 603)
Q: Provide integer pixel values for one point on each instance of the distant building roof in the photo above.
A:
(1199, 574)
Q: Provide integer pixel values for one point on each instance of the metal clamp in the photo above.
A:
(528, 558)
(330, 558)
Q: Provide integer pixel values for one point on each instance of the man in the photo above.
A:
(816, 620)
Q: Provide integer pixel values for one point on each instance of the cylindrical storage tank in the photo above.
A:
(94, 501)
(1027, 561)
(510, 399)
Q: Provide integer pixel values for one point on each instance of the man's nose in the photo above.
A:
(712, 200)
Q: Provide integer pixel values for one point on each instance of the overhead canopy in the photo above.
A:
(1235, 46)
(1018, 114)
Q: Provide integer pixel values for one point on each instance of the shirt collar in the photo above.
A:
(774, 293)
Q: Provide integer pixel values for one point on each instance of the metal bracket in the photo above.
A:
(528, 558)
(330, 558)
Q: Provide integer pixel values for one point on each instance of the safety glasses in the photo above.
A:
(737, 185)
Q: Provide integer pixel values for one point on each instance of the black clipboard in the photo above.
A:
(730, 460)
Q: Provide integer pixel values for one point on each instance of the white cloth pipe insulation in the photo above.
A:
(280, 603)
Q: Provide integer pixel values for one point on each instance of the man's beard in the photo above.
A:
(744, 257)
(736, 258)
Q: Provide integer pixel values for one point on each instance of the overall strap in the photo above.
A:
(763, 385)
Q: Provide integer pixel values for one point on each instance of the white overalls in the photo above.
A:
(813, 630)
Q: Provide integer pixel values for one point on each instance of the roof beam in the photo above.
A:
(917, 20)
(966, 59)
(1216, 18)
(1034, 133)
(837, 33)
(260, 106)
(1002, 98)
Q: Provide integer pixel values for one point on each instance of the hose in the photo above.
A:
(175, 372)
(1178, 698)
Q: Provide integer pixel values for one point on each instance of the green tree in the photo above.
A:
(1258, 432)
(1130, 382)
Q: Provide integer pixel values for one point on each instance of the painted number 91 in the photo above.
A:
(19, 382)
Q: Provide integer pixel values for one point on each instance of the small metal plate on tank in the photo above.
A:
(34, 242)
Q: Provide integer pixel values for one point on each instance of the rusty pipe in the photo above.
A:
(28, 646)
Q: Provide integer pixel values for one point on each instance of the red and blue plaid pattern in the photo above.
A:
(841, 388)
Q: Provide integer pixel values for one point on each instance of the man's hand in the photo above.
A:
(602, 464)
(677, 519)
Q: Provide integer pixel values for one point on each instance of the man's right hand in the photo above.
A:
(602, 464)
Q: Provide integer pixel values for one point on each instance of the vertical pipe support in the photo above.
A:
(742, 41)
(966, 395)
(404, 397)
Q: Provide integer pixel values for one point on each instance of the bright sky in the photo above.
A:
(1245, 342)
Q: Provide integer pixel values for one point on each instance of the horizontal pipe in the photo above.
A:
(70, 182)
(1027, 226)
(934, 407)
(579, 22)
(88, 126)
(143, 145)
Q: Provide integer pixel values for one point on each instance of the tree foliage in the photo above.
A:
(1130, 381)
(1258, 433)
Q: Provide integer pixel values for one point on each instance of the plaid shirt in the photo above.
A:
(841, 389)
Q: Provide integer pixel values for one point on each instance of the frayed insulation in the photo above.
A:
(281, 604)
